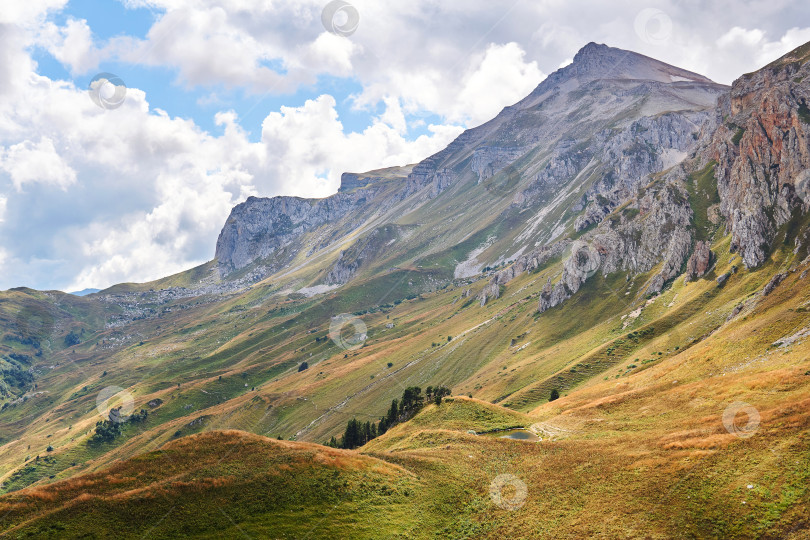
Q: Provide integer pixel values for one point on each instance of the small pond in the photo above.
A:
(514, 434)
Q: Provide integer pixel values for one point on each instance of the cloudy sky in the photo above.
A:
(230, 98)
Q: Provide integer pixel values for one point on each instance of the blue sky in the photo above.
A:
(231, 98)
(109, 19)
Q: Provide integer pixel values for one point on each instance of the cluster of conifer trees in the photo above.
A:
(359, 433)
(109, 430)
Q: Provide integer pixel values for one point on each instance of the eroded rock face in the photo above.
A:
(595, 212)
(700, 261)
(350, 181)
(762, 153)
(491, 290)
(773, 283)
(660, 231)
(622, 160)
(552, 296)
(649, 145)
(488, 160)
(342, 271)
(431, 172)
(655, 228)
(531, 261)
(259, 228)
(369, 246)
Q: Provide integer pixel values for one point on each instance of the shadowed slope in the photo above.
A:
(221, 484)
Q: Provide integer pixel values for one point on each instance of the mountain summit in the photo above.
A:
(598, 61)
(557, 162)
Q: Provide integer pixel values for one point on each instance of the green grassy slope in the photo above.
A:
(648, 457)
(223, 484)
(234, 364)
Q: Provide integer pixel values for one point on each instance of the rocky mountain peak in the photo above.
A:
(658, 111)
(599, 61)
(596, 50)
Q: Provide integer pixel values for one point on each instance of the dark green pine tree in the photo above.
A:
(440, 392)
(412, 401)
(393, 414)
(351, 437)
(366, 433)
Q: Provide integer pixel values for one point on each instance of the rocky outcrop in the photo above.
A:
(342, 271)
(259, 228)
(658, 229)
(700, 261)
(488, 160)
(490, 291)
(583, 261)
(350, 181)
(552, 296)
(365, 249)
(433, 171)
(531, 261)
(425, 174)
(736, 311)
(773, 283)
(595, 212)
(629, 156)
(441, 180)
(762, 154)
(508, 274)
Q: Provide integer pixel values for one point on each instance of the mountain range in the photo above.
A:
(615, 266)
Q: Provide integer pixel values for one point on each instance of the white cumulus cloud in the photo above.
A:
(29, 162)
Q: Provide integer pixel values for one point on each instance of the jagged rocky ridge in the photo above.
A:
(762, 153)
(259, 228)
(757, 147)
